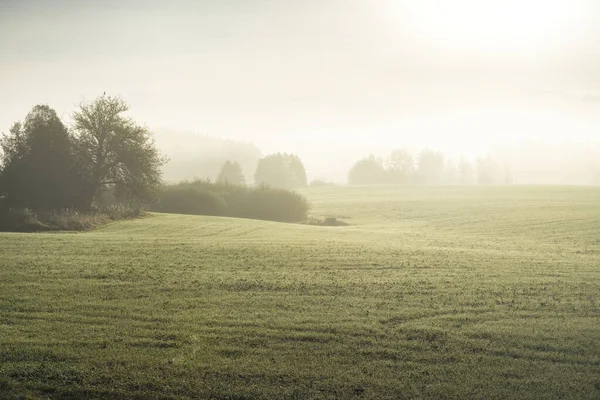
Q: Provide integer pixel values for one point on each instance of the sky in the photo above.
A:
(316, 77)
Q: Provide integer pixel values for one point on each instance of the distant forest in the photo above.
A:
(201, 156)
(193, 156)
(526, 163)
(428, 168)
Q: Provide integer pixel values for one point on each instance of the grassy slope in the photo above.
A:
(431, 292)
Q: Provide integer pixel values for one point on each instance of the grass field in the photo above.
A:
(428, 293)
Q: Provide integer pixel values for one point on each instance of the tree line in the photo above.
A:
(428, 167)
(279, 170)
(103, 160)
(103, 154)
(46, 165)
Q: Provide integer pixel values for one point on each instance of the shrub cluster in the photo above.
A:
(326, 221)
(281, 170)
(27, 220)
(221, 199)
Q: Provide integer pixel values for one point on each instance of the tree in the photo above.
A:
(368, 171)
(401, 166)
(430, 167)
(281, 170)
(465, 172)
(450, 173)
(38, 169)
(115, 152)
(231, 173)
(297, 170)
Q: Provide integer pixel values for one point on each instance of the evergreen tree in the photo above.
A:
(38, 168)
(231, 173)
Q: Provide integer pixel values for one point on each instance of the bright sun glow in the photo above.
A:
(490, 26)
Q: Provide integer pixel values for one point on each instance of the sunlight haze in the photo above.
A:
(317, 77)
(299, 199)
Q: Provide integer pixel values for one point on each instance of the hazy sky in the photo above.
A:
(311, 75)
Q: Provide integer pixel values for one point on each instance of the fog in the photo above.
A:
(332, 81)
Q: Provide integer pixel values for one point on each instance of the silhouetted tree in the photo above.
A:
(430, 167)
(297, 170)
(465, 172)
(115, 152)
(401, 167)
(38, 169)
(231, 173)
(368, 171)
(450, 173)
(281, 170)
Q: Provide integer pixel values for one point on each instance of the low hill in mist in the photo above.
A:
(201, 156)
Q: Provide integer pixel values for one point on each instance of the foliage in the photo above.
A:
(115, 152)
(326, 221)
(281, 170)
(20, 220)
(465, 172)
(401, 166)
(44, 169)
(430, 167)
(187, 199)
(231, 173)
(207, 198)
(27, 220)
(38, 168)
(368, 171)
(450, 174)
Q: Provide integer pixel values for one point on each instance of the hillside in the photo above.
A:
(428, 293)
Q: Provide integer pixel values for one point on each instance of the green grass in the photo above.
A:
(428, 293)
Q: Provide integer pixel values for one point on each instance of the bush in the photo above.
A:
(221, 199)
(26, 220)
(280, 170)
(232, 173)
(118, 211)
(20, 220)
(327, 221)
(368, 171)
(188, 200)
(268, 203)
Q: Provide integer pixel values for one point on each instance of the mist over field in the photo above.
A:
(299, 199)
(525, 161)
(347, 78)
